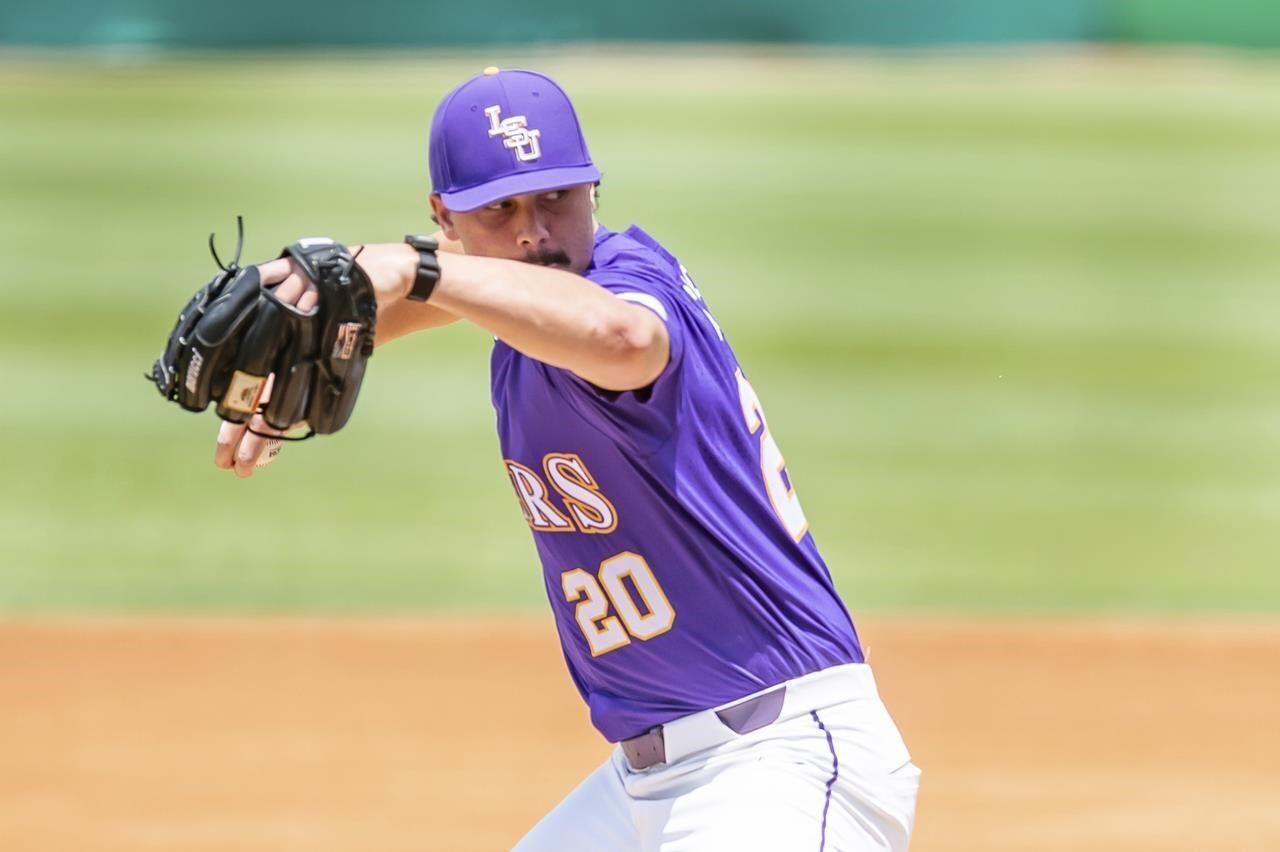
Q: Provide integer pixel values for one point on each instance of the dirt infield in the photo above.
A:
(456, 735)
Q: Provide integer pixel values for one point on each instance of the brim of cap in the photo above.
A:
(543, 180)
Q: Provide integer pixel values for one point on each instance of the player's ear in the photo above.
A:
(442, 217)
(595, 196)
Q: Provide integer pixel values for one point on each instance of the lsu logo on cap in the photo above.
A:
(515, 134)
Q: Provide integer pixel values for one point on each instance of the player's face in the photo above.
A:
(554, 228)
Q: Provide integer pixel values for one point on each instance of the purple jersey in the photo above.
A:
(676, 556)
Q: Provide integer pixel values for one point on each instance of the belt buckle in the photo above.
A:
(647, 750)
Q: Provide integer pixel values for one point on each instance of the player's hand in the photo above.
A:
(241, 450)
(237, 448)
(391, 268)
(292, 286)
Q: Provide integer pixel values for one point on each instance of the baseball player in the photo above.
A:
(697, 617)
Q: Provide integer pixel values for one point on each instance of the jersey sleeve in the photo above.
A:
(645, 418)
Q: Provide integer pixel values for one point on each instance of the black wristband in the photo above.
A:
(424, 281)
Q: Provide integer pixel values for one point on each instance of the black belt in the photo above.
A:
(650, 748)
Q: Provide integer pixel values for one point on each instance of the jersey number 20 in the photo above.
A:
(782, 494)
(597, 596)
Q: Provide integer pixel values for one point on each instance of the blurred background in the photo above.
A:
(1003, 272)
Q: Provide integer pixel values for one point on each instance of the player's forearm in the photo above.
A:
(556, 317)
(387, 265)
(548, 314)
(396, 319)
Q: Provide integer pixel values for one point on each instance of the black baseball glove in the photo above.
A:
(234, 333)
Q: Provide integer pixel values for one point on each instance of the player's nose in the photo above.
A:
(531, 230)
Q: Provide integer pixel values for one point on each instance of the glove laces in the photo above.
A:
(235, 261)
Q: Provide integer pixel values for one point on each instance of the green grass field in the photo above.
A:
(1015, 319)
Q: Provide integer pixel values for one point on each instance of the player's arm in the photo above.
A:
(548, 314)
(400, 317)
(554, 316)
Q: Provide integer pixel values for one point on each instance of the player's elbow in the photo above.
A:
(633, 352)
(635, 335)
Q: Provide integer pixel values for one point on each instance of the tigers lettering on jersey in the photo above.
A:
(540, 514)
(591, 510)
(586, 508)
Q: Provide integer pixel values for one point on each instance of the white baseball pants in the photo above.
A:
(831, 775)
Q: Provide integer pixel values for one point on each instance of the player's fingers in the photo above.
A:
(287, 281)
(308, 301)
(274, 271)
(291, 289)
(229, 435)
(251, 446)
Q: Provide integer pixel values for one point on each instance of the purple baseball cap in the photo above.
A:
(505, 133)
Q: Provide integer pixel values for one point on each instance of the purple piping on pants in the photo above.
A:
(835, 773)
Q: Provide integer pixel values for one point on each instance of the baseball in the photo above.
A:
(269, 453)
